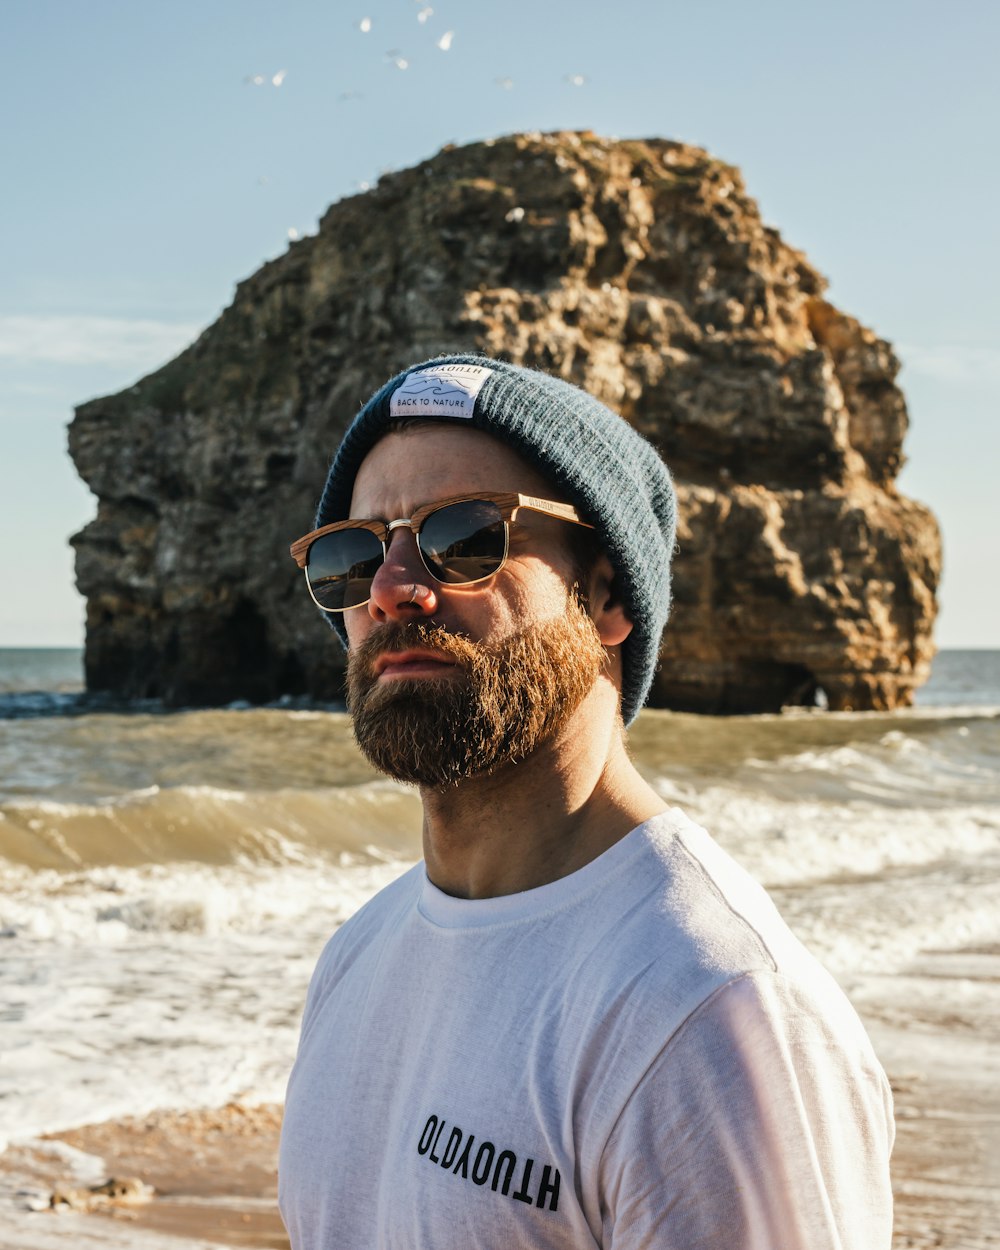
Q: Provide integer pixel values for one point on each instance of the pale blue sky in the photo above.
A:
(144, 176)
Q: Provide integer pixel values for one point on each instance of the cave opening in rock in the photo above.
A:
(251, 662)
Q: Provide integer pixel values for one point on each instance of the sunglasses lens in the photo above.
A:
(341, 567)
(464, 542)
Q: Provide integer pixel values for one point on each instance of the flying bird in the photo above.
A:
(261, 80)
(444, 43)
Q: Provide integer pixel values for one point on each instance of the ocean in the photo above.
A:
(167, 880)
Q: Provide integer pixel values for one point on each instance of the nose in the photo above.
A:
(402, 589)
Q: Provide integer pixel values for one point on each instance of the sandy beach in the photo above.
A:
(936, 1030)
(944, 1164)
(214, 1171)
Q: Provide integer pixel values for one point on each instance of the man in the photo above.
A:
(576, 1023)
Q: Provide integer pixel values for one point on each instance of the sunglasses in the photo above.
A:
(461, 540)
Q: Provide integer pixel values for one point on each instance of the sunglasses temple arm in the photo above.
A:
(562, 511)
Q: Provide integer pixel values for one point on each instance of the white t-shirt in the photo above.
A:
(637, 1055)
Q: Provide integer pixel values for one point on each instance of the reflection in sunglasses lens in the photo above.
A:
(460, 543)
(341, 567)
(464, 542)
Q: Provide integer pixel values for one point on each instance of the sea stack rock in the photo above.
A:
(640, 270)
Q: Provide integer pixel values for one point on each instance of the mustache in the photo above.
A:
(393, 638)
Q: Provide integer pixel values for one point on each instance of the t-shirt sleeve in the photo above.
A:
(765, 1123)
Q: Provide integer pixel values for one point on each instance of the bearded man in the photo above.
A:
(577, 1023)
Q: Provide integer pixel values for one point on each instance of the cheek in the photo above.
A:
(356, 623)
(536, 592)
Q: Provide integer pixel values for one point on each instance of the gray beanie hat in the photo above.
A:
(593, 457)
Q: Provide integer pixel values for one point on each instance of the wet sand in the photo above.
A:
(944, 1167)
(215, 1179)
(213, 1172)
(936, 1029)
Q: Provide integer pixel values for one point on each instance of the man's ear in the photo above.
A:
(606, 608)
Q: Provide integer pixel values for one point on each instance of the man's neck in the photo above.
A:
(538, 819)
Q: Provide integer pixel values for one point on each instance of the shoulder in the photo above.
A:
(691, 917)
(773, 1089)
(683, 941)
(374, 921)
(394, 900)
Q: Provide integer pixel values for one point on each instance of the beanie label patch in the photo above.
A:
(444, 391)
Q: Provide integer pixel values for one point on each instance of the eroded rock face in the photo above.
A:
(640, 270)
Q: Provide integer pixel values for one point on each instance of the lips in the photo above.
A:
(414, 662)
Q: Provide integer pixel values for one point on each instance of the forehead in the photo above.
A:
(422, 463)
